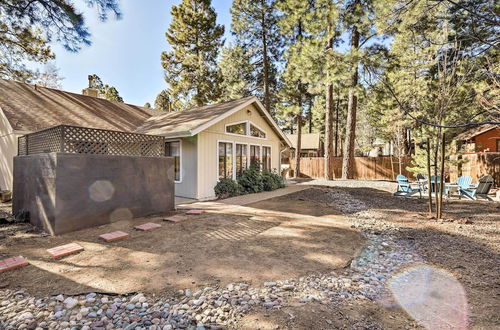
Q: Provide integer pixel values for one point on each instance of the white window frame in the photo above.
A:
(247, 156)
(234, 158)
(180, 159)
(250, 154)
(247, 123)
(270, 155)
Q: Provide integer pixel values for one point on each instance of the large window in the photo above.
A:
(240, 129)
(225, 160)
(173, 149)
(241, 158)
(257, 132)
(266, 158)
(254, 155)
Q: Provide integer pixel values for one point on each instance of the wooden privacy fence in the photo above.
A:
(369, 168)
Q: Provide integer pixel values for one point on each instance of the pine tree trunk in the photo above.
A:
(265, 64)
(336, 146)
(296, 170)
(350, 133)
(329, 173)
(310, 116)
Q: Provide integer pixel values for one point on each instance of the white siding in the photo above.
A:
(208, 152)
(8, 150)
(187, 186)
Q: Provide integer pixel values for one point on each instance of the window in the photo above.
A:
(241, 158)
(254, 155)
(240, 129)
(266, 158)
(256, 132)
(225, 160)
(173, 149)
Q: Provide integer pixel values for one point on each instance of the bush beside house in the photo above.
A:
(252, 180)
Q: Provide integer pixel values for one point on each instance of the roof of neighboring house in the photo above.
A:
(191, 122)
(469, 134)
(29, 108)
(307, 141)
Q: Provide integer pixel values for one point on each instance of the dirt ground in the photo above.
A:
(466, 244)
(283, 237)
(215, 248)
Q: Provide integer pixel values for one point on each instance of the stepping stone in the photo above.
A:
(195, 212)
(147, 226)
(114, 236)
(12, 263)
(64, 250)
(176, 218)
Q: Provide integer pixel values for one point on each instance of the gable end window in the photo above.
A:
(245, 128)
(257, 132)
(240, 129)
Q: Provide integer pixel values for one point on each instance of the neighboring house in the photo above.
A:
(310, 144)
(485, 138)
(208, 143)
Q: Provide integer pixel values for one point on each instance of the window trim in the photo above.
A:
(270, 156)
(233, 176)
(250, 154)
(235, 157)
(180, 159)
(248, 135)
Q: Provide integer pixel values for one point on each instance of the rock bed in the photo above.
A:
(382, 257)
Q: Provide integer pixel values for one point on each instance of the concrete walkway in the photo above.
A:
(244, 199)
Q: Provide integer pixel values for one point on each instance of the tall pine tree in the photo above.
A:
(191, 67)
(237, 73)
(254, 25)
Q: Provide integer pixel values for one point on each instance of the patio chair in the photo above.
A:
(404, 187)
(463, 182)
(481, 189)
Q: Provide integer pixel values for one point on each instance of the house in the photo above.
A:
(207, 143)
(218, 141)
(485, 138)
(310, 144)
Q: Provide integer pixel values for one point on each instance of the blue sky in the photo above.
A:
(126, 53)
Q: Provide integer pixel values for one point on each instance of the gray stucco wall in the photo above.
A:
(67, 192)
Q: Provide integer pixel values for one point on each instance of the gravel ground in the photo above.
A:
(374, 275)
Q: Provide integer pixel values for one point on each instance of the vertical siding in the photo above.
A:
(8, 150)
(187, 187)
(208, 153)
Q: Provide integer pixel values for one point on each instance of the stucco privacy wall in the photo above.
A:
(67, 192)
(189, 165)
(208, 150)
(8, 149)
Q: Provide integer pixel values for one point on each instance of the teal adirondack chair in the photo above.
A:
(405, 188)
(463, 183)
(481, 189)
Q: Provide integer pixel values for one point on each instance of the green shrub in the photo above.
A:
(272, 181)
(227, 188)
(251, 180)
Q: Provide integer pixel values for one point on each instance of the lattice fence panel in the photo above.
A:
(94, 141)
(22, 146)
(48, 140)
(81, 140)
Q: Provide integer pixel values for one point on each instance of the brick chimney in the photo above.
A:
(90, 92)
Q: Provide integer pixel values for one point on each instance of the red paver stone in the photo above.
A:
(176, 218)
(114, 236)
(65, 250)
(12, 263)
(195, 212)
(147, 226)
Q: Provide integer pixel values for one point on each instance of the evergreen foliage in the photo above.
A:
(105, 91)
(236, 73)
(191, 67)
(162, 101)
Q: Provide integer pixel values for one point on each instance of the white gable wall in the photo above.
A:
(208, 147)
(8, 150)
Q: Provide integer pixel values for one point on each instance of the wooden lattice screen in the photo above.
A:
(82, 140)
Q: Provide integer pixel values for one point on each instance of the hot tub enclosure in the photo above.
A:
(64, 192)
